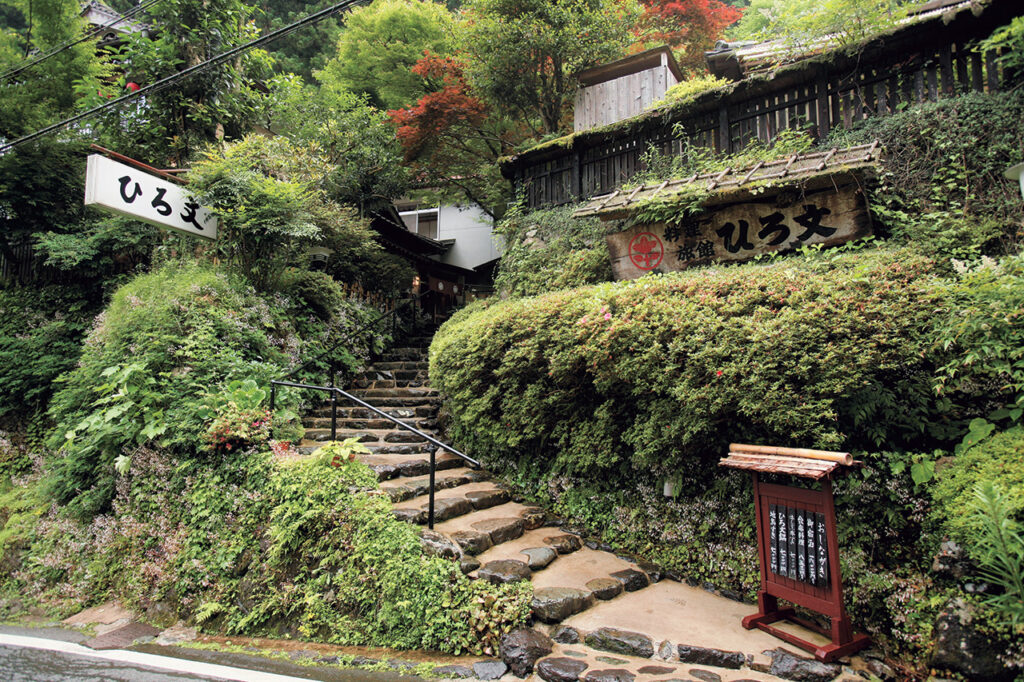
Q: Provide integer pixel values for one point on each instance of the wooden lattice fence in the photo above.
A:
(923, 62)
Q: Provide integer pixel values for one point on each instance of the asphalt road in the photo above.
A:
(28, 658)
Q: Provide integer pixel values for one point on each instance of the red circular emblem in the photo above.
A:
(646, 251)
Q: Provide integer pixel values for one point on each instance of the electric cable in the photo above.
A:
(182, 75)
(14, 71)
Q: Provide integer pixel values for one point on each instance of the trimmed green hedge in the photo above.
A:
(662, 372)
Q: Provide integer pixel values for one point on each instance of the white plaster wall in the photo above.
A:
(471, 228)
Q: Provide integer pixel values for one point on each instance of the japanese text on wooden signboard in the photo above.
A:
(738, 233)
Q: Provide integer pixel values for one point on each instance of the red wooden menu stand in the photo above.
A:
(798, 547)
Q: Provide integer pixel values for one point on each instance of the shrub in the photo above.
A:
(942, 176)
(999, 460)
(664, 371)
(183, 330)
(41, 332)
(242, 545)
(984, 328)
(548, 249)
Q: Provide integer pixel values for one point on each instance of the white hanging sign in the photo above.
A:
(121, 189)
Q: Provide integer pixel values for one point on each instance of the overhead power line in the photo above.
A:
(165, 83)
(71, 43)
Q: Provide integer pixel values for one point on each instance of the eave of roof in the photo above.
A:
(734, 184)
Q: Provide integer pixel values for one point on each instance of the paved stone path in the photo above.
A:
(595, 604)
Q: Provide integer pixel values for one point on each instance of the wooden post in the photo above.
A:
(724, 138)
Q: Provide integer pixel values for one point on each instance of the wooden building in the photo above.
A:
(613, 92)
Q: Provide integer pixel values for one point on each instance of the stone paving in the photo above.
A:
(606, 617)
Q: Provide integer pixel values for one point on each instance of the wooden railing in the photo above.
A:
(922, 62)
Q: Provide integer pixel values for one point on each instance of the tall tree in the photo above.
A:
(379, 46)
(356, 139)
(218, 103)
(453, 139)
(689, 27)
(308, 49)
(55, 86)
(522, 55)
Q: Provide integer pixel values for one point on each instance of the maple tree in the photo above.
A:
(689, 27)
(453, 139)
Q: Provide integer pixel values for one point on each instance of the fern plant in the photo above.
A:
(1000, 550)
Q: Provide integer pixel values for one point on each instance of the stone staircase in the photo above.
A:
(584, 593)
(477, 522)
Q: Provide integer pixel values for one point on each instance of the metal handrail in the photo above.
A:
(334, 390)
(333, 349)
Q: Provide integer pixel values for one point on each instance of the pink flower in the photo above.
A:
(607, 316)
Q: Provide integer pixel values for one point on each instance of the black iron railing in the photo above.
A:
(335, 391)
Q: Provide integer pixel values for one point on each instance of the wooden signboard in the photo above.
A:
(798, 546)
(739, 232)
(118, 188)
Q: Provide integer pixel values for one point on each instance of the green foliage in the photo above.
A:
(304, 51)
(998, 460)
(665, 370)
(41, 332)
(362, 577)
(804, 24)
(522, 56)
(353, 137)
(689, 199)
(243, 546)
(942, 186)
(337, 452)
(234, 427)
(1010, 41)
(270, 197)
(687, 91)
(999, 549)
(548, 249)
(985, 334)
(166, 339)
(54, 87)
(220, 103)
(380, 44)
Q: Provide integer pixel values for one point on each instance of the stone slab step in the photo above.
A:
(349, 412)
(507, 512)
(421, 423)
(570, 662)
(405, 466)
(462, 471)
(400, 365)
(369, 394)
(375, 440)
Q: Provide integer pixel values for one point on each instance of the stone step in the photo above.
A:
(569, 662)
(377, 440)
(350, 412)
(324, 410)
(420, 382)
(374, 436)
(401, 467)
(406, 392)
(392, 375)
(404, 355)
(691, 626)
(401, 365)
(423, 424)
